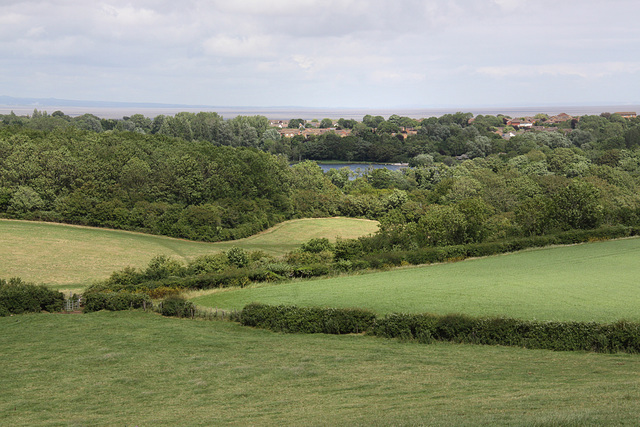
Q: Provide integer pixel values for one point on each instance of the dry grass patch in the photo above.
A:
(72, 257)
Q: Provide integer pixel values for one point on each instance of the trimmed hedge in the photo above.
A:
(17, 297)
(115, 301)
(559, 336)
(621, 336)
(308, 320)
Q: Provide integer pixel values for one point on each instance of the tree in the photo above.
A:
(296, 123)
(533, 215)
(25, 199)
(347, 124)
(577, 206)
(372, 122)
(326, 123)
(441, 226)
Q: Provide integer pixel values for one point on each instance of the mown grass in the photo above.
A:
(68, 256)
(589, 282)
(132, 368)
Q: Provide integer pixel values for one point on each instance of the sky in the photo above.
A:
(329, 53)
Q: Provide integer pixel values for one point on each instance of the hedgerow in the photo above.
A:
(621, 336)
(18, 297)
(309, 320)
(115, 301)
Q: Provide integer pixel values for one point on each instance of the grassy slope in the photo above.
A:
(65, 255)
(132, 368)
(595, 281)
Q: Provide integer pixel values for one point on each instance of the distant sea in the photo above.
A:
(286, 113)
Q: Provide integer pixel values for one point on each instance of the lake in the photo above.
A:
(362, 166)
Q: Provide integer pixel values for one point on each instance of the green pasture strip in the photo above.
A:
(589, 282)
(63, 255)
(132, 368)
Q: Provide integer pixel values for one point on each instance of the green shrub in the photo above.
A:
(317, 245)
(176, 306)
(162, 267)
(115, 301)
(557, 336)
(309, 320)
(281, 269)
(20, 297)
(208, 264)
(237, 257)
(343, 265)
(426, 328)
(313, 270)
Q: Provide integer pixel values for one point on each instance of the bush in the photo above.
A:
(557, 336)
(176, 306)
(115, 301)
(208, 264)
(317, 245)
(313, 270)
(308, 320)
(425, 328)
(237, 257)
(19, 297)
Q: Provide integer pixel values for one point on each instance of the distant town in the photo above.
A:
(562, 122)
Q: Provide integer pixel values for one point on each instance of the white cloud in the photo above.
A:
(370, 49)
(510, 4)
(240, 47)
(585, 71)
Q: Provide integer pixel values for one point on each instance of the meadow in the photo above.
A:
(66, 256)
(135, 368)
(588, 282)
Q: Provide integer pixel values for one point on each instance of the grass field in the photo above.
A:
(72, 256)
(589, 282)
(132, 368)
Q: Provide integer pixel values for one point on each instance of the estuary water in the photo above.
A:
(286, 113)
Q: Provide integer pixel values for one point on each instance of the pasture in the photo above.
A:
(65, 256)
(588, 282)
(134, 368)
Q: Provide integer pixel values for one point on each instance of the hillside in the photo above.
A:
(66, 255)
(588, 282)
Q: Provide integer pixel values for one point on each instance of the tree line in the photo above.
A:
(532, 184)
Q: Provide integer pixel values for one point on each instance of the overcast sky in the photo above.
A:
(323, 53)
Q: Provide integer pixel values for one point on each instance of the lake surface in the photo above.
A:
(361, 167)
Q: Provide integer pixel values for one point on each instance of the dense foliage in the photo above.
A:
(17, 297)
(201, 177)
(309, 320)
(150, 183)
(559, 336)
(115, 301)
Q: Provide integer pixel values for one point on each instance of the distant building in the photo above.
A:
(627, 114)
(560, 118)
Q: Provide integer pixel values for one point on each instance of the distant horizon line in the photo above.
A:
(55, 102)
(23, 104)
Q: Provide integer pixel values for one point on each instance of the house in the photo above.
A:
(290, 133)
(279, 123)
(560, 118)
(523, 123)
(627, 114)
